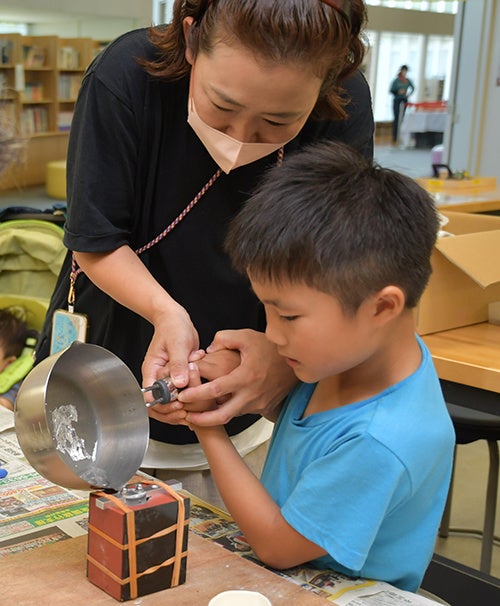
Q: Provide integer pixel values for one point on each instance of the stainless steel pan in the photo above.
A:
(81, 420)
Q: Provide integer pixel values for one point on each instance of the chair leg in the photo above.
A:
(444, 528)
(490, 508)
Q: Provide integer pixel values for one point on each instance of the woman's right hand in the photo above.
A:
(175, 343)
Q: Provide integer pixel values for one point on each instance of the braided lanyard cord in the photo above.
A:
(76, 271)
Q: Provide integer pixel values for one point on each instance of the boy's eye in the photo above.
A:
(289, 318)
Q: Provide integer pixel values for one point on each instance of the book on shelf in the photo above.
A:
(6, 47)
(68, 86)
(33, 56)
(64, 120)
(68, 58)
(34, 120)
(33, 91)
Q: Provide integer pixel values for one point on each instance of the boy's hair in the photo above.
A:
(332, 220)
(326, 37)
(14, 331)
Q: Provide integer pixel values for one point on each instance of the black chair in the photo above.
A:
(460, 585)
(472, 425)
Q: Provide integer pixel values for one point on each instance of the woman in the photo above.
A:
(401, 88)
(172, 130)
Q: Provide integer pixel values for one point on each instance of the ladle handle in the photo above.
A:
(163, 390)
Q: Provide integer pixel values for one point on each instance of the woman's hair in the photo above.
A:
(332, 220)
(324, 35)
(14, 331)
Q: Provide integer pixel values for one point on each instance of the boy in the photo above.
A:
(358, 469)
(16, 353)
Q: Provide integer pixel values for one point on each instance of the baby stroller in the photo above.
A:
(31, 255)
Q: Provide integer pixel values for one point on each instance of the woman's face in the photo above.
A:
(248, 99)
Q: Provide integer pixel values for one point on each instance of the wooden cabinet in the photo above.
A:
(39, 81)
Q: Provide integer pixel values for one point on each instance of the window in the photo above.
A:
(436, 6)
(429, 59)
(14, 28)
(162, 11)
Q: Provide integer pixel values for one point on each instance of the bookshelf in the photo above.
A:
(39, 81)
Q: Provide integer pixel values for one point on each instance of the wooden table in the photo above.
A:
(467, 361)
(486, 201)
(55, 575)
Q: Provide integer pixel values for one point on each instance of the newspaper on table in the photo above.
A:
(216, 525)
(35, 512)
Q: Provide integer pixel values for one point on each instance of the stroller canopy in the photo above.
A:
(31, 255)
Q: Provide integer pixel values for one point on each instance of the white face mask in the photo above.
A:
(227, 152)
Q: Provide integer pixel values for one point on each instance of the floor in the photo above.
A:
(472, 459)
(412, 162)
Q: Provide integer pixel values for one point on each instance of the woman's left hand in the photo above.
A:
(257, 385)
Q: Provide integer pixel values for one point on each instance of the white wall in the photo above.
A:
(98, 19)
(109, 8)
(473, 140)
(105, 28)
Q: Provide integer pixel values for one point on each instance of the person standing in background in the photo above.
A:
(401, 88)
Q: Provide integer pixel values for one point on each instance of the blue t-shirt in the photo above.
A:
(367, 481)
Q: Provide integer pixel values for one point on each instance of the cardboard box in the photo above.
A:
(465, 276)
(137, 546)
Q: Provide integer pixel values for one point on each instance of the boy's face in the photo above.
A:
(312, 332)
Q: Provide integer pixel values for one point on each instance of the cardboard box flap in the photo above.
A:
(476, 254)
(467, 223)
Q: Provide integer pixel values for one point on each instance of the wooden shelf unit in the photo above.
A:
(39, 81)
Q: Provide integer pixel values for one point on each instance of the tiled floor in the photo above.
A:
(472, 459)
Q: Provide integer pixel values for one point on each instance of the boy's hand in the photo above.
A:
(176, 415)
(257, 385)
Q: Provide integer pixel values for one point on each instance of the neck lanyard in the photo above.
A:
(76, 271)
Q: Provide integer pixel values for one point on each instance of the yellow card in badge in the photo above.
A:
(67, 327)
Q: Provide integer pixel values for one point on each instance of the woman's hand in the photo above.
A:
(175, 343)
(257, 385)
(210, 366)
(174, 413)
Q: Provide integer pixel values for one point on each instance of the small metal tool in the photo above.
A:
(163, 390)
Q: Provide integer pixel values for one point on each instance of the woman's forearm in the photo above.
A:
(123, 276)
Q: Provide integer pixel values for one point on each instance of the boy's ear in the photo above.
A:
(187, 26)
(388, 303)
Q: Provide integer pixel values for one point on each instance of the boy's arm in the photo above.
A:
(272, 539)
(6, 403)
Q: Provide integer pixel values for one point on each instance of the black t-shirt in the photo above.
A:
(134, 164)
